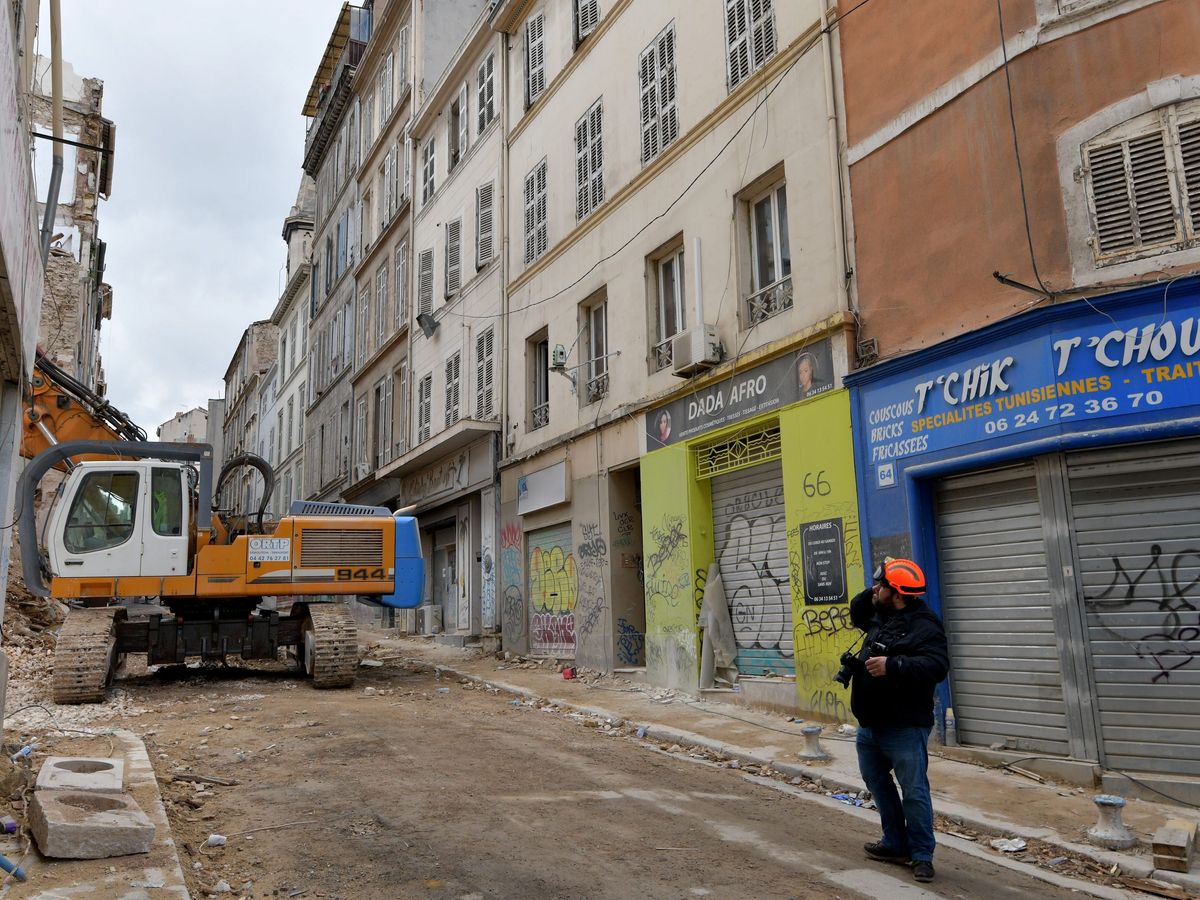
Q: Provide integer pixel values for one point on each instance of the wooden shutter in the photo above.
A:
(596, 154)
(540, 208)
(401, 283)
(587, 16)
(360, 434)
(1131, 194)
(483, 224)
(530, 220)
(1189, 151)
(668, 115)
(485, 92)
(453, 371)
(464, 123)
(484, 376)
(737, 41)
(535, 59)
(425, 282)
(763, 42)
(424, 401)
(648, 79)
(453, 257)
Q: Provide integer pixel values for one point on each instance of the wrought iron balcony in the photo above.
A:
(662, 354)
(539, 416)
(770, 301)
(597, 388)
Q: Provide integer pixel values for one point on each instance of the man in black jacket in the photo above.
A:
(903, 656)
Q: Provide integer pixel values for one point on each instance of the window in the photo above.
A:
(345, 350)
(596, 324)
(425, 282)
(364, 321)
(428, 186)
(283, 354)
(387, 204)
(453, 257)
(291, 418)
(485, 366)
(1143, 181)
(388, 75)
(771, 256)
(656, 72)
(483, 224)
(402, 72)
(485, 93)
(368, 122)
(453, 373)
(539, 383)
(300, 429)
(360, 439)
(279, 438)
(535, 59)
(402, 283)
(102, 513)
(166, 502)
(383, 421)
(401, 400)
(398, 190)
(535, 212)
(460, 128)
(424, 402)
(344, 439)
(749, 37)
(671, 315)
(381, 304)
(589, 162)
(295, 328)
(587, 16)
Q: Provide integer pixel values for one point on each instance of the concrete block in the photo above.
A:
(82, 773)
(88, 825)
(1173, 844)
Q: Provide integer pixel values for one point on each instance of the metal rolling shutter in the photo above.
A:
(1137, 548)
(750, 534)
(552, 587)
(1006, 681)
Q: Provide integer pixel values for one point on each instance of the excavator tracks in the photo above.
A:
(85, 657)
(330, 645)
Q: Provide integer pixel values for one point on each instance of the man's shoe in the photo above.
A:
(923, 870)
(884, 853)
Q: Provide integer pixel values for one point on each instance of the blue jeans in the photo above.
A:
(907, 824)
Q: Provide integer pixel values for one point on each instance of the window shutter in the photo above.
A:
(595, 139)
(1189, 151)
(581, 168)
(530, 219)
(453, 257)
(360, 430)
(647, 76)
(485, 97)
(401, 284)
(1131, 193)
(484, 376)
(464, 123)
(424, 403)
(587, 15)
(535, 59)
(737, 41)
(541, 243)
(669, 124)
(764, 32)
(385, 423)
(483, 224)
(453, 370)
(425, 282)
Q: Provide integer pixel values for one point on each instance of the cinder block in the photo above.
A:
(88, 825)
(82, 773)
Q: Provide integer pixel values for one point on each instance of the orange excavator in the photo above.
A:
(135, 519)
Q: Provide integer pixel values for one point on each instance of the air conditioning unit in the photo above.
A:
(429, 619)
(695, 350)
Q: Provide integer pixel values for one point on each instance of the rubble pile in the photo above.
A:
(29, 701)
(29, 620)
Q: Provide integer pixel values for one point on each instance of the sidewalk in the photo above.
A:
(993, 802)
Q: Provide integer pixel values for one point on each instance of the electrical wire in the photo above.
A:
(1120, 772)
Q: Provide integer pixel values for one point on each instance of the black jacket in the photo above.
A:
(917, 659)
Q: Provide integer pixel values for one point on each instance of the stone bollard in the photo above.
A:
(1110, 832)
(812, 744)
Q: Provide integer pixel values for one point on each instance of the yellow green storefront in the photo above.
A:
(755, 473)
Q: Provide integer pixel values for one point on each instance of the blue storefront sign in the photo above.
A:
(1117, 369)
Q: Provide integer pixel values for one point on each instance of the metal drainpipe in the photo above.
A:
(57, 104)
(835, 161)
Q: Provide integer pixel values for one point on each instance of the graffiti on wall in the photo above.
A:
(1165, 592)
(487, 602)
(592, 552)
(553, 594)
(760, 601)
(512, 583)
(670, 641)
(464, 586)
(666, 574)
(631, 644)
(623, 524)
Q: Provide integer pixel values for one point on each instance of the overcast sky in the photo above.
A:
(207, 100)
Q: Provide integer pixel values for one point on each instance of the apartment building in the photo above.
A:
(383, 108)
(249, 398)
(448, 476)
(189, 426)
(1028, 427)
(290, 316)
(332, 151)
(678, 328)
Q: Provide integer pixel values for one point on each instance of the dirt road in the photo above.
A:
(412, 786)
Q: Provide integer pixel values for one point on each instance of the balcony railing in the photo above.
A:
(770, 301)
(662, 354)
(597, 388)
(334, 98)
(539, 416)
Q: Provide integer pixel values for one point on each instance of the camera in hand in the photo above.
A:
(854, 663)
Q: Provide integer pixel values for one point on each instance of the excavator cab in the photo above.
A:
(120, 519)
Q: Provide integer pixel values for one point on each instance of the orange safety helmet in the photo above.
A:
(902, 575)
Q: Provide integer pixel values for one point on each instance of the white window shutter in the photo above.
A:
(541, 209)
(453, 257)
(483, 224)
(1189, 151)
(484, 376)
(669, 126)
(530, 217)
(587, 16)
(464, 123)
(425, 282)
(647, 72)
(581, 168)
(763, 25)
(596, 141)
(401, 284)
(453, 373)
(1131, 194)
(737, 41)
(485, 92)
(535, 58)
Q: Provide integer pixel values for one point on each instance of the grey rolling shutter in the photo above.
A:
(1138, 568)
(1006, 679)
(750, 538)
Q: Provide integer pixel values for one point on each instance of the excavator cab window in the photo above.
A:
(166, 502)
(103, 512)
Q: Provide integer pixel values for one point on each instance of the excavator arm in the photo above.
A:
(60, 408)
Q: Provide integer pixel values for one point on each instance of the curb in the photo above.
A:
(957, 813)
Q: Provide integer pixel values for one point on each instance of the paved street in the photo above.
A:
(417, 792)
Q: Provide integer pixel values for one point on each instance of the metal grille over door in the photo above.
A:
(750, 533)
(1004, 666)
(1137, 546)
(552, 587)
